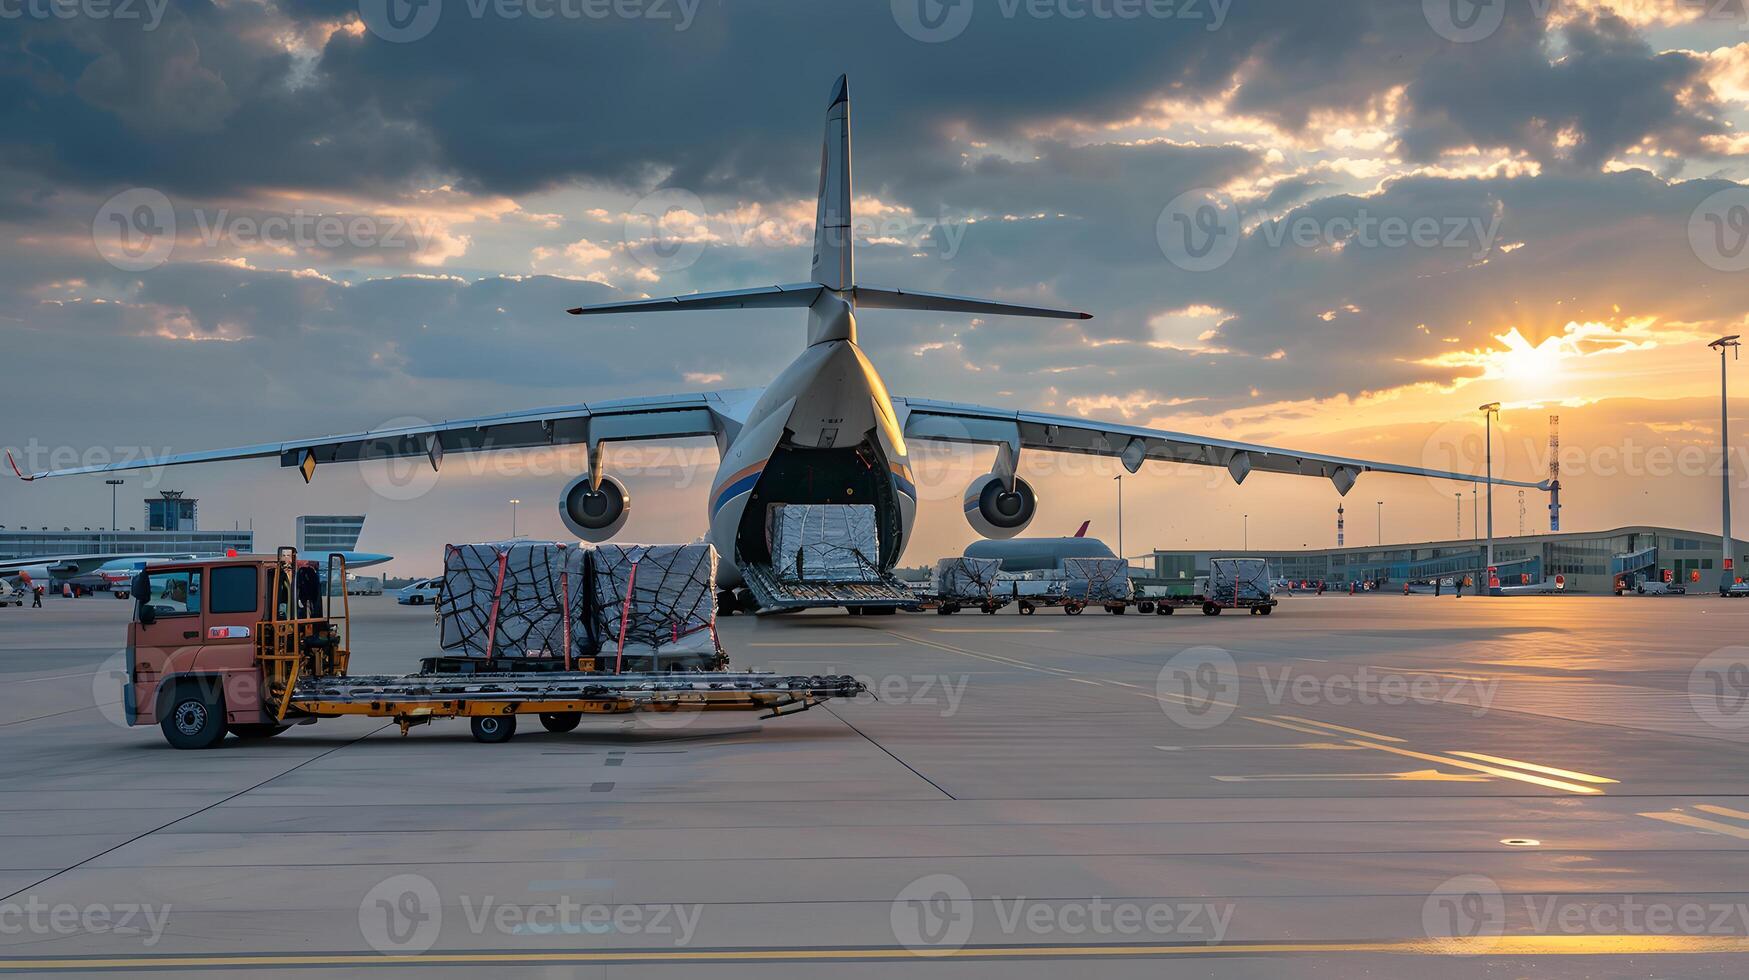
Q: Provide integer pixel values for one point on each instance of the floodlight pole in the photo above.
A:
(1727, 569)
(1488, 412)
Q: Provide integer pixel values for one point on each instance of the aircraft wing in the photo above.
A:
(625, 419)
(69, 565)
(957, 422)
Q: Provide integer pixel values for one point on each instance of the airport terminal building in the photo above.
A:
(1589, 560)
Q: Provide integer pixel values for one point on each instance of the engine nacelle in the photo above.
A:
(595, 515)
(994, 511)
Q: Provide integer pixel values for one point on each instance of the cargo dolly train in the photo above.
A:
(977, 583)
(252, 645)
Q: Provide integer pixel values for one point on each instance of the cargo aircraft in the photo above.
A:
(824, 431)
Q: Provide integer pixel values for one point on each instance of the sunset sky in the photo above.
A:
(1572, 171)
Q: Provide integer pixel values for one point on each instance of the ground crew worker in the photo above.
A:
(36, 597)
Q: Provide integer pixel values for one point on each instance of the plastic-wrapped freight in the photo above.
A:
(521, 599)
(966, 578)
(1097, 579)
(1238, 579)
(662, 599)
(824, 542)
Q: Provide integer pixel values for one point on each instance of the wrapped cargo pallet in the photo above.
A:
(966, 578)
(1238, 580)
(655, 606)
(824, 542)
(1097, 579)
(516, 599)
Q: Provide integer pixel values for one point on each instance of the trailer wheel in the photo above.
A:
(1265, 610)
(1027, 608)
(1144, 607)
(1117, 610)
(1163, 609)
(560, 722)
(988, 609)
(1210, 609)
(493, 728)
(1072, 609)
(257, 732)
(194, 717)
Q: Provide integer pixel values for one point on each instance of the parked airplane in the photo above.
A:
(825, 431)
(1040, 554)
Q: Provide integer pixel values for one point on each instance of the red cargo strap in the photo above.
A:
(625, 614)
(497, 591)
(565, 605)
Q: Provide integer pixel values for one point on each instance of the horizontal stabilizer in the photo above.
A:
(798, 295)
(876, 298)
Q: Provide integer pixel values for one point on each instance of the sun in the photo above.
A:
(1524, 361)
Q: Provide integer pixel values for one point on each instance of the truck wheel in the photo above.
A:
(1210, 609)
(561, 722)
(257, 732)
(194, 717)
(493, 728)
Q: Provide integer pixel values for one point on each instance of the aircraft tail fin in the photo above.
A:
(834, 265)
(1083, 531)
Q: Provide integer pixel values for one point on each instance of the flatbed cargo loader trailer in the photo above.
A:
(252, 645)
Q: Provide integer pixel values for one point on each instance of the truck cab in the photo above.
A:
(196, 639)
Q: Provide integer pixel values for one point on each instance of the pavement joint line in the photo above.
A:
(1343, 728)
(248, 789)
(1513, 945)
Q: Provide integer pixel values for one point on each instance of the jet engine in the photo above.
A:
(595, 515)
(995, 511)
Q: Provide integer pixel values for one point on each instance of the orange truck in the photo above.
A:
(250, 645)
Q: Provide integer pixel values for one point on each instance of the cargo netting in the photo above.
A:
(523, 599)
(1238, 579)
(655, 606)
(1097, 579)
(824, 542)
(966, 578)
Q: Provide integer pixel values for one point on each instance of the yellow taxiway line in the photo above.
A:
(1540, 945)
